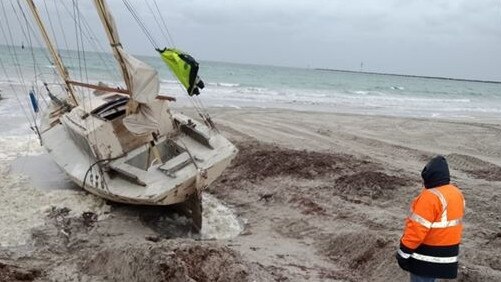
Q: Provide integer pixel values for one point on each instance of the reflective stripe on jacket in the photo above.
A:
(432, 232)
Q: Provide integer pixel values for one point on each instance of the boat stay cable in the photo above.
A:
(51, 25)
(90, 37)
(37, 70)
(10, 47)
(82, 64)
(77, 39)
(141, 24)
(158, 24)
(8, 37)
(29, 28)
(164, 23)
(59, 19)
(15, 92)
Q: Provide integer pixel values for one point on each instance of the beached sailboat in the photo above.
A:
(125, 144)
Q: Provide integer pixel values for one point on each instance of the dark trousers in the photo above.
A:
(417, 278)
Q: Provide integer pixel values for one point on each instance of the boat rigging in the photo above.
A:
(124, 144)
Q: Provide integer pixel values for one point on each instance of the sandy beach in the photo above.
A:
(319, 196)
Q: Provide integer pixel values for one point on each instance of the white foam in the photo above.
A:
(224, 84)
(397, 88)
(22, 206)
(219, 221)
(12, 147)
(169, 81)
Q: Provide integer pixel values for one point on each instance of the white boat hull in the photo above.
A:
(152, 186)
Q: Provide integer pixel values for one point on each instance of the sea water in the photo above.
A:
(240, 85)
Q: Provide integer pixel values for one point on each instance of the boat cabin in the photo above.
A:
(97, 126)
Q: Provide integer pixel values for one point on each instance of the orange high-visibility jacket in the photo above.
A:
(430, 243)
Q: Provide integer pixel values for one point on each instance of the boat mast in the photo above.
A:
(112, 33)
(63, 72)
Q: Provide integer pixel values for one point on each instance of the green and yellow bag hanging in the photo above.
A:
(184, 67)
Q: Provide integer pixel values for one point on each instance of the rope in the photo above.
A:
(141, 24)
(14, 57)
(77, 39)
(95, 163)
(164, 24)
(158, 23)
(29, 29)
(61, 25)
(59, 19)
(86, 95)
(50, 24)
(12, 51)
(15, 93)
(31, 33)
(90, 36)
(86, 72)
(36, 65)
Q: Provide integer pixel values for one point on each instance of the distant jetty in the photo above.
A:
(410, 75)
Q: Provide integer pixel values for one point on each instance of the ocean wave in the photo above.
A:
(425, 100)
(361, 92)
(368, 93)
(214, 84)
(397, 88)
(259, 90)
(10, 82)
(69, 67)
(169, 81)
(224, 84)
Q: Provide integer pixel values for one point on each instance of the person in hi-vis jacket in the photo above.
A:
(429, 247)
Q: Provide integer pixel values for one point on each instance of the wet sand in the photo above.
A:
(321, 197)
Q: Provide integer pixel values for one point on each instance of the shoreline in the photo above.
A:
(486, 120)
(396, 103)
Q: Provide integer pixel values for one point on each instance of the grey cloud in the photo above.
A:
(436, 37)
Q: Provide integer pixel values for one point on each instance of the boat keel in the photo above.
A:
(194, 210)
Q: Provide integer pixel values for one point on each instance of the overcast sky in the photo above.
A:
(455, 38)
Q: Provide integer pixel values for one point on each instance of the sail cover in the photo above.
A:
(144, 88)
(143, 78)
(185, 67)
(140, 78)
